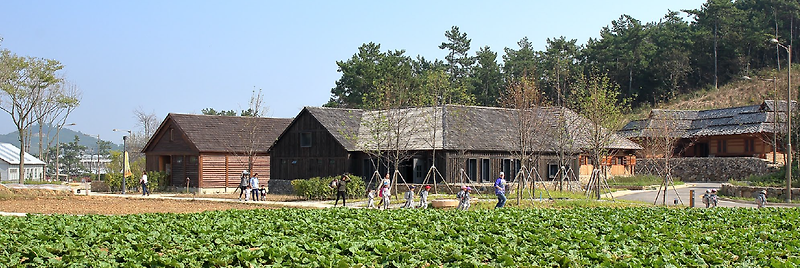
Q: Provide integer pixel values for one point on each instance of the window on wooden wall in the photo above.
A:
(305, 139)
(552, 171)
(486, 174)
(472, 169)
(171, 138)
(722, 146)
(749, 145)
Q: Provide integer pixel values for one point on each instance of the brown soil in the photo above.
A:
(113, 205)
(61, 202)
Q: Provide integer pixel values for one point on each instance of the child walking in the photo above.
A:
(371, 199)
(466, 199)
(460, 197)
(761, 199)
(423, 197)
(409, 197)
(386, 193)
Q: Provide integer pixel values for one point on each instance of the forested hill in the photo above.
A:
(686, 52)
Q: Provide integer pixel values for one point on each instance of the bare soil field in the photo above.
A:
(60, 202)
(113, 205)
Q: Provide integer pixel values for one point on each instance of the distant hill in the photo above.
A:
(64, 136)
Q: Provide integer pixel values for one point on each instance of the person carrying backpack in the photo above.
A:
(341, 190)
(761, 199)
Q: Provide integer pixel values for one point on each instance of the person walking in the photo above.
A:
(371, 199)
(713, 198)
(500, 190)
(143, 182)
(341, 190)
(386, 192)
(460, 197)
(466, 199)
(423, 197)
(243, 183)
(254, 186)
(409, 196)
(761, 199)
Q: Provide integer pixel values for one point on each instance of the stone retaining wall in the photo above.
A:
(718, 169)
(280, 186)
(751, 191)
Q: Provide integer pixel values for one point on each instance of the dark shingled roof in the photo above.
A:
(458, 128)
(341, 123)
(717, 122)
(215, 133)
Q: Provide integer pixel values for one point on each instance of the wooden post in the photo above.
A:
(691, 198)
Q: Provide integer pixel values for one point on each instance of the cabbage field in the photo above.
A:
(616, 237)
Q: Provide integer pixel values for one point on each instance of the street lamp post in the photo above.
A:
(124, 152)
(788, 122)
(58, 147)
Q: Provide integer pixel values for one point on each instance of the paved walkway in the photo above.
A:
(681, 193)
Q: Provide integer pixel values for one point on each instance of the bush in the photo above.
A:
(318, 188)
(775, 179)
(157, 181)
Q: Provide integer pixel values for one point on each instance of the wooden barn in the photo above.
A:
(747, 131)
(470, 142)
(207, 153)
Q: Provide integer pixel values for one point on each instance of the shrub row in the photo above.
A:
(318, 188)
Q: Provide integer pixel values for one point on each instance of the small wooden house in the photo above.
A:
(747, 131)
(465, 143)
(207, 153)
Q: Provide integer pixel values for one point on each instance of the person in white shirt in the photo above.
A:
(143, 182)
(254, 186)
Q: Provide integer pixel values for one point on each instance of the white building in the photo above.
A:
(9, 164)
(95, 164)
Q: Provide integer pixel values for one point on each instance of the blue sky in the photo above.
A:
(183, 56)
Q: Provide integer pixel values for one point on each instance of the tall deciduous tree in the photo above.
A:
(25, 81)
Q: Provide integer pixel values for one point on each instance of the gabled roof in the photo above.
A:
(216, 133)
(10, 154)
(341, 123)
(716, 122)
(457, 128)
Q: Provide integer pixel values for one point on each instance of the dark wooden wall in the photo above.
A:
(325, 156)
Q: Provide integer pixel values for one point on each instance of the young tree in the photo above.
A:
(24, 81)
(525, 101)
(598, 100)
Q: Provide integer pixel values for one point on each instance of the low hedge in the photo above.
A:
(318, 188)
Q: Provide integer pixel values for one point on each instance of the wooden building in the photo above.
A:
(747, 131)
(207, 153)
(468, 142)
